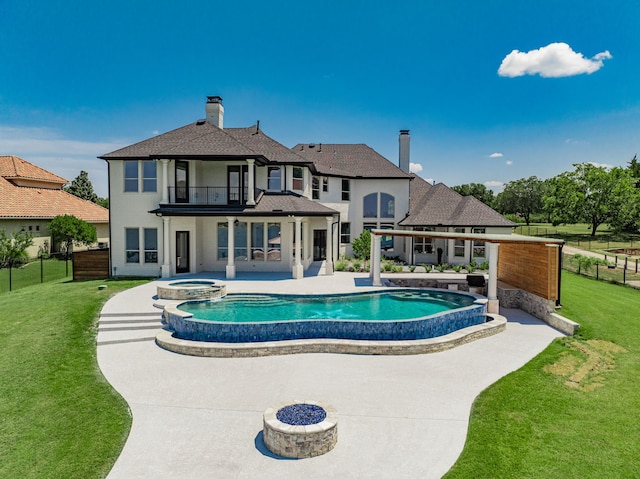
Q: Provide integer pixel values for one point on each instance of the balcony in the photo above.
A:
(210, 195)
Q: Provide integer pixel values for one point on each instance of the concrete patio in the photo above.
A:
(399, 416)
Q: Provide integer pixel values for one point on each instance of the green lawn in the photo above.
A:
(59, 418)
(35, 271)
(572, 412)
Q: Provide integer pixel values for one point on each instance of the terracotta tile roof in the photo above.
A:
(202, 139)
(13, 167)
(440, 205)
(41, 203)
(349, 160)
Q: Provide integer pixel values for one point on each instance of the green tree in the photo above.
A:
(362, 245)
(634, 169)
(69, 230)
(477, 190)
(82, 187)
(522, 197)
(13, 248)
(594, 195)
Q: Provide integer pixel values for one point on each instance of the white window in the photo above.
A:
(298, 183)
(273, 178)
(422, 244)
(479, 248)
(149, 176)
(131, 176)
(458, 245)
(273, 242)
(132, 245)
(345, 232)
(325, 184)
(150, 245)
(346, 190)
(223, 241)
(315, 188)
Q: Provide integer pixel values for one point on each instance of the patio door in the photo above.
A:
(319, 245)
(182, 182)
(237, 181)
(182, 251)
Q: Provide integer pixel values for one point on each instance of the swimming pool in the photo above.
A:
(399, 314)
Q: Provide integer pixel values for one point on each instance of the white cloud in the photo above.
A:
(508, 162)
(44, 147)
(415, 167)
(493, 184)
(600, 165)
(496, 155)
(553, 61)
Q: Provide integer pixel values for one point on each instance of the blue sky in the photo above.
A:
(492, 91)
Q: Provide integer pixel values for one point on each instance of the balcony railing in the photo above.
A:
(209, 195)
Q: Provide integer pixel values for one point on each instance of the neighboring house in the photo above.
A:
(208, 198)
(30, 197)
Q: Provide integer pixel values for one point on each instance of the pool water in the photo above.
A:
(378, 306)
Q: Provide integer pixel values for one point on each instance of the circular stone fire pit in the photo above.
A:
(300, 429)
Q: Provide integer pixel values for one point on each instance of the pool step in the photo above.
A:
(117, 328)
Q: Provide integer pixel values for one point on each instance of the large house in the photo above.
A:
(205, 197)
(30, 197)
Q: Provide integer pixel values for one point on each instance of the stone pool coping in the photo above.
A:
(166, 340)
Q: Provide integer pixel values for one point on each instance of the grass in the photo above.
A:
(59, 418)
(572, 411)
(579, 235)
(32, 273)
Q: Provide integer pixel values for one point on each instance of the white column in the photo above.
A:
(492, 293)
(251, 200)
(231, 251)
(165, 181)
(375, 259)
(166, 250)
(328, 269)
(298, 269)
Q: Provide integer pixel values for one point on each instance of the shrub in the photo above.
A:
(484, 265)
(397, 268)
(412, 268)
(357, 265)
(457, 268)
(362, 245)
(341, 265)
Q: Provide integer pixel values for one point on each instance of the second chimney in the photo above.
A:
(215, 111)
(404, 139)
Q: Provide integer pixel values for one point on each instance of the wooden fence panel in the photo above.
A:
(91, 264)
(532, 267)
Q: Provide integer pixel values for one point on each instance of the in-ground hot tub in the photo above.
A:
(192, 289)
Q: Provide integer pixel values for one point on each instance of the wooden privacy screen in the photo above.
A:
(532, 267)
(91, 264)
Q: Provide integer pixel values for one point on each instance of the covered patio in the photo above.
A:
(531, 263)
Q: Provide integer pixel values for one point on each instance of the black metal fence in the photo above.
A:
(37, 270)
(614, 269)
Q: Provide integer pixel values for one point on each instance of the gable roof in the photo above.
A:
(439, 205)
(41, 203)
(349, 160)
(202, 139)
(15, 168)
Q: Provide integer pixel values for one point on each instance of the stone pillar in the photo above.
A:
(251, 200)
(492, 289)
(165, 181)
(298, 269)
(375, 259)
(231, 250)
(165, 270)
(329, 254)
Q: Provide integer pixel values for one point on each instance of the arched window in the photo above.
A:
(370, 206)
(387, 208)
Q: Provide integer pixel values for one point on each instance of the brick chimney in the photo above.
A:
(404, 139)
(215, 111)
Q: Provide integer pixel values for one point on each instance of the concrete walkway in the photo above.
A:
(399, 416)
